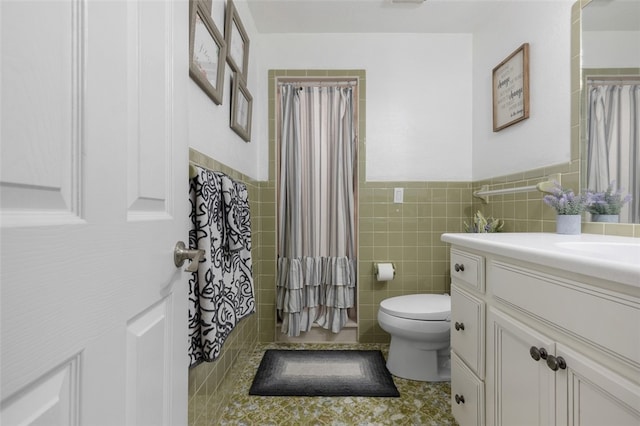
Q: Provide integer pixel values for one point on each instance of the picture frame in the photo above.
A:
(207, 51)
(511, 89)
(241, 107)
(237, 41)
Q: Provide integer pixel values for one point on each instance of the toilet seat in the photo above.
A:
(426, 307)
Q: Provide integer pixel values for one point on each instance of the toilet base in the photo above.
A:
(408, 362)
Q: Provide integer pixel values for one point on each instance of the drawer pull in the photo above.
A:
(556, 363)
(459, 268)
(459, 326)
(459, 399)
(537, 354)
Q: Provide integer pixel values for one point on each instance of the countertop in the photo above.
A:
(607, 257)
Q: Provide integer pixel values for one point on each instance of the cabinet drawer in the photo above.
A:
(467, 268)
(467, 329)
(598, 316)
(468, 407)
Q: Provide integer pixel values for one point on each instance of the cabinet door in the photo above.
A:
(592, 395)
(467, 394)
(467, 329)
(520, 390)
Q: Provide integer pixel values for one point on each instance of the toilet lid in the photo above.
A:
(431, 307)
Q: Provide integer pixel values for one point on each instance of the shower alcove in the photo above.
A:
(316, 122)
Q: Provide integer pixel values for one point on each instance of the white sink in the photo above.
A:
(609, 257)
(622, 252)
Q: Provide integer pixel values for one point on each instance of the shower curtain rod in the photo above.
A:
(320, 83)
(616, 79)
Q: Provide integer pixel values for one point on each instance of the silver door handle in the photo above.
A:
(181, 253)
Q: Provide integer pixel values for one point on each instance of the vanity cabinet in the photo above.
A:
(534, 380)
(538, 345)
(550, 343)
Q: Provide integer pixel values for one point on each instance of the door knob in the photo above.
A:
(459, 399)
(459, 326)
(181, 253)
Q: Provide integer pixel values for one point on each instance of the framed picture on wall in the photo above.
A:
(237, 41)
(511, 89)
(207, 51)
(241, 107)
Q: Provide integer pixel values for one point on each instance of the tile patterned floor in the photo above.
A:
(420, 403)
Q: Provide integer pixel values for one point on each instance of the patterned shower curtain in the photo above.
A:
(613, 148)
(316, 220)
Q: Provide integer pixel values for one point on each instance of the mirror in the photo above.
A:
(610, 37)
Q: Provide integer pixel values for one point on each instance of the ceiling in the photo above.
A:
(375, 16)
(386, 16)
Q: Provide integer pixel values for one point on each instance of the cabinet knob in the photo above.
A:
(556, 363)
(459, 399)
(459, 326)
(538, 353)
(459, 267)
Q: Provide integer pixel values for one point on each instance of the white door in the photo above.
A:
(94, 197)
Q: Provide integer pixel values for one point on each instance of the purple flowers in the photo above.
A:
(565, 201)
(607, 202)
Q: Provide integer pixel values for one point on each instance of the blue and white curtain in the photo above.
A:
(316, 208)
(221, 292)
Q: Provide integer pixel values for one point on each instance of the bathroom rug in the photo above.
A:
(323, 373)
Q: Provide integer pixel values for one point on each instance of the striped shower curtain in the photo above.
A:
(613, 148)
(316, 208)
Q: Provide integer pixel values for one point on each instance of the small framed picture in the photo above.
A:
(207, 51)
(241, 107)
(511, 89)
(237, 41)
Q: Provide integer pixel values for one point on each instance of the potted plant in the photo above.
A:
(605, 206)
(569, 208)
(481, 224)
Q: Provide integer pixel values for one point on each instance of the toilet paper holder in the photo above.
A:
(375, 268)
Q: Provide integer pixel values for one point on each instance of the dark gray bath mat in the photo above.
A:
(323, 373)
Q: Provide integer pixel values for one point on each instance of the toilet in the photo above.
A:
(419, 325)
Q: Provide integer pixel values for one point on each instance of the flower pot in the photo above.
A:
(569, 224)
(611, 218)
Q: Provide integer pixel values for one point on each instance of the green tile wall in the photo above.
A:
(206, 380)
(408, 235)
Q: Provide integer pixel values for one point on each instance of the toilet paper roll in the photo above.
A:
(385, 272)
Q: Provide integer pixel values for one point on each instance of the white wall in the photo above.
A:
(611, 49)
(209, 130)
(428, 96)
(544, 138)
(417, 101)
